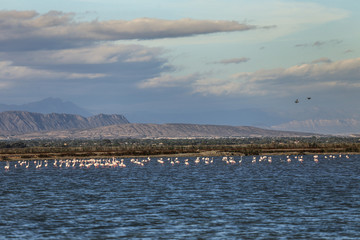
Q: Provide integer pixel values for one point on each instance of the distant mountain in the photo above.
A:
(19, 122)
(239, 117)
(324, 126)
(48, 105)
(141, 130)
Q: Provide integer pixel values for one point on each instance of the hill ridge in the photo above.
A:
(151, 130)
(22, 122)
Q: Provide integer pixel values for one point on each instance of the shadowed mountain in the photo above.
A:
(48, 105)
(19, 122)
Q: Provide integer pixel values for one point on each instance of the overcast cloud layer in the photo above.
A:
(56, 46)
(187, 61)
(29, 30)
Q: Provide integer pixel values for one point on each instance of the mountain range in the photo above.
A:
(27, 125)
(55, 114)
(143, 130)
(19, 122)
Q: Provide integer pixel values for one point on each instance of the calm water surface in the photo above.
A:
(213, 199)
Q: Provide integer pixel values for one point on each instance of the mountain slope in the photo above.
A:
(139, 130)
(19, 122)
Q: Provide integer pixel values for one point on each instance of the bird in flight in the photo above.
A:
(297, 100)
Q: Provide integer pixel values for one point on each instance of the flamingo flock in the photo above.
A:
(115, 162)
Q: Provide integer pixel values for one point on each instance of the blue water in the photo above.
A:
(209, 200)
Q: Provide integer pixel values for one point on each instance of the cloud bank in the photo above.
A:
(55, 45)
(108, 62)
(168, 81)
(104, 54)
(320, 74)
(30, 30)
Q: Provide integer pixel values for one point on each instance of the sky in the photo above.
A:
(231, 62)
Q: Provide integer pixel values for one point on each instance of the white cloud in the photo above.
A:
(213, 86)
(98, 54)
(168, 81)
(125, 63)
(319, 75)
(9, 71)
(20, 28)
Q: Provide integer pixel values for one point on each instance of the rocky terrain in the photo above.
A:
(28, 125)
(135, 130)
(20, 122)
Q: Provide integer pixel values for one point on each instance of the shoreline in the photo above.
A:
(139, 148)
(26, 157)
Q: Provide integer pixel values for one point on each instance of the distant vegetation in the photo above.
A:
(29, 149)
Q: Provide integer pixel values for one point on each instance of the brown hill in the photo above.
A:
(20, 122)
(134, 130)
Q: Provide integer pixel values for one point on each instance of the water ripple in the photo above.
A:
(193, 199)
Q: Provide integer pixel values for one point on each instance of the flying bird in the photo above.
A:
(297, 100)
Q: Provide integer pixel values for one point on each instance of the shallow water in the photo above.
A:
(208, 200)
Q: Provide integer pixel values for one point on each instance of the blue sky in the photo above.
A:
(216, 62)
